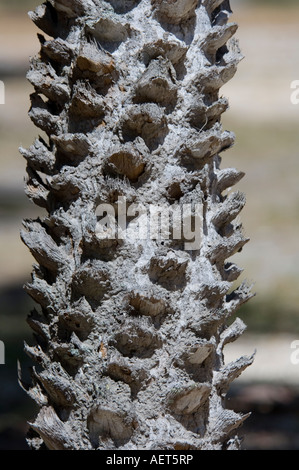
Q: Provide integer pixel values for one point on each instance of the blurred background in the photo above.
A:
(267, 144)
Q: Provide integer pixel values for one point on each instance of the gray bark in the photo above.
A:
(130, 333)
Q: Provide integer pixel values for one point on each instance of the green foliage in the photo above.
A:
(269, 315)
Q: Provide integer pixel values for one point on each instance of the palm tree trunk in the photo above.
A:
(130, 331)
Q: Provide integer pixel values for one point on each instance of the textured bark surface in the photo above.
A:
(130, 333)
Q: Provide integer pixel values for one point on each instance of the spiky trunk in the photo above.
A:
(130, 332)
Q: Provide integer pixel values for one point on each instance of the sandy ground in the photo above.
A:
(275, 359)
(269, 40)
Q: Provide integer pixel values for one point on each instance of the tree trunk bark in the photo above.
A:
(131, 323)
